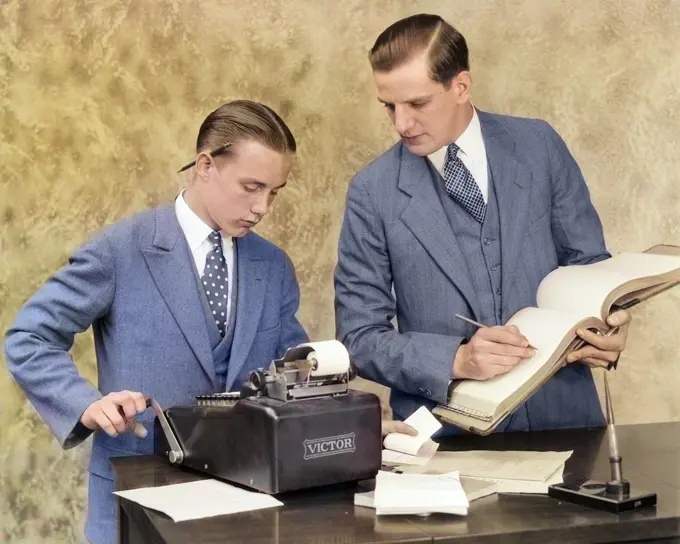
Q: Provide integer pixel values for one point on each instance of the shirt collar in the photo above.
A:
(195, 229)
(469, 142)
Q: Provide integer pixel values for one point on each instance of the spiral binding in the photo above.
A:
(476, 414)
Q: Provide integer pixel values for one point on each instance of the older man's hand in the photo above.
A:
(389, 426)
(603, 351)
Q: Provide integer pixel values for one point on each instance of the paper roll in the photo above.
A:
(329, 356)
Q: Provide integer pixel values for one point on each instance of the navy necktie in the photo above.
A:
(460, 184)
(215, 282)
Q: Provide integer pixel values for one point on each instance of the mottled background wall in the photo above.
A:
(100, 103)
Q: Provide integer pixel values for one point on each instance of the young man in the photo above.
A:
(466, 214)
(183, 299)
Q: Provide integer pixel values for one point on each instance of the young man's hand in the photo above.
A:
(115, 413)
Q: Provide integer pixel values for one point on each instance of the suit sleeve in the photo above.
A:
(292, 332)
(576, 226)
(38, 342)
(413, 362)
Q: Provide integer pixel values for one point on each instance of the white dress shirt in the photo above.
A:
(196, 232)
(472, 152)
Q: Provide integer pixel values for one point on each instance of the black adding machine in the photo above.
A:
(293, 426)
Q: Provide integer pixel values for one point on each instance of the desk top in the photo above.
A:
(651, 460)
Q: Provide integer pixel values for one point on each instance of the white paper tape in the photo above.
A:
(329, 356)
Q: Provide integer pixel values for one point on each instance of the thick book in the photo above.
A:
(569, 298)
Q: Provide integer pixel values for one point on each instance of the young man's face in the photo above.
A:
(426, 115)
(238, 190)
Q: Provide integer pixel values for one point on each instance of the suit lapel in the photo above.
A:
(170, 266)
(511, 180)
(426, 219)
(252, 282)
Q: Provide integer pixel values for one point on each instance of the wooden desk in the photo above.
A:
(651, 460)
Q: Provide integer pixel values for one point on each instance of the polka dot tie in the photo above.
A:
(460, 184)
(215, 282)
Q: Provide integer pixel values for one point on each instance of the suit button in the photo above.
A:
(428, 392)
(421, 390)
(494, 267)
(498, 290)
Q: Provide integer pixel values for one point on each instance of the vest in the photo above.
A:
(481, 248)
(221, 347)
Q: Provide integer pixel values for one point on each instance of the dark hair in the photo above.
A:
(446, 49)
(241, 120)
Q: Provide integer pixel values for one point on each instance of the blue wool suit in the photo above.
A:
(407, 250)
(136, 284)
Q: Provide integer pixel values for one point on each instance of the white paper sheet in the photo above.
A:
(529, 486)
(501, 465)
(425, 453)
(512, 471)
(201, 499)
(420, 445)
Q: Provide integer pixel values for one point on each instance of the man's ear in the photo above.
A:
(462, 87)
(203, 164)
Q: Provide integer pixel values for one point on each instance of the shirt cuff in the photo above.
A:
(79, 434)
(453, 379)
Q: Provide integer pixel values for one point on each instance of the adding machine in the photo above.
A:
(293, 426)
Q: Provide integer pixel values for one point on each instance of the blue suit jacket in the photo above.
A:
(134, 284)
(398, 257)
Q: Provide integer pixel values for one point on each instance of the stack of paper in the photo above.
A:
(200, 499)
(415, 494)
(512, 471)
(412, 450)
(474, 489)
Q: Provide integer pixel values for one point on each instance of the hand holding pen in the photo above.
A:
(490, 352)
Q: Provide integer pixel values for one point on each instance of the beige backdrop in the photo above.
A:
(100, 103)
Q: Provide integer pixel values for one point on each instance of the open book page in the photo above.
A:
(426, 425)
(583, 289)
(664, 249)
(546, 330)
